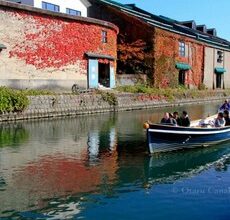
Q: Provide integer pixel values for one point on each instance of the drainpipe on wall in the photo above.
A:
(214, 50)
(224, 68)
(188, 75)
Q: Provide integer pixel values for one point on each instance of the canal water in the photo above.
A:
(97, 167)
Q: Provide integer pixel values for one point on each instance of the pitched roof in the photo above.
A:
(167, 24)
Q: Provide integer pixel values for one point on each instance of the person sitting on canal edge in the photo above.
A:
(166, 119)
(219, 121)
(184, 120)
(226, 117)
(225, 106)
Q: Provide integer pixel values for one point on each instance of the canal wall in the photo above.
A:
(49, 106)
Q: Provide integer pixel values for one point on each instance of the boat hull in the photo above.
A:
(168, 138)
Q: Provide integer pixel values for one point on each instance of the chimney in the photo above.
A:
(202, 28)
(212, 31)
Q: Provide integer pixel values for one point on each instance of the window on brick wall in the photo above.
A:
(104, 37)
(50, 7)
(73, 12)
(182, 49)
(220, 56)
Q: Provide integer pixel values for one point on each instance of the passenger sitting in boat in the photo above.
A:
(226, 117)
(219, 121)
(177, 118)
(225, 106)
(174, 122)
(184, 119)
(166, 119)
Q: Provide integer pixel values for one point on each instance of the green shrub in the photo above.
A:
(12, 100)
(181, 92)
(108, 97)
(202, 86)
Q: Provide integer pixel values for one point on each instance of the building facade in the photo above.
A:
(168, 52)
(217, 68)
(49, 50)
(72, 7)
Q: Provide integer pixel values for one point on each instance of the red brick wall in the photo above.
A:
(166, 54)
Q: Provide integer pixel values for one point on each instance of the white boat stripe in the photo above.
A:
(188, 132)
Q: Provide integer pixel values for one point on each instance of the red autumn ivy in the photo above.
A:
(56, 42)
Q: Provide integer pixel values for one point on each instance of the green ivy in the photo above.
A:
(165, 70)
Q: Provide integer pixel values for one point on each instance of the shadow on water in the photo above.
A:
(63, 166)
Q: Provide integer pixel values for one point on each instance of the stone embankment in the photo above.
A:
(49, 106)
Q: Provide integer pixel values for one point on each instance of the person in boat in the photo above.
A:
(173, 120)
(166, 119)
(226, 117)
(177, 118)
(219, 121)
(225, 106)
(184, 119)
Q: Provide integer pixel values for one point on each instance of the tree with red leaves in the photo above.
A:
(133, 57)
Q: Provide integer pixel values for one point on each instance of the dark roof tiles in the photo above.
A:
(168, 23)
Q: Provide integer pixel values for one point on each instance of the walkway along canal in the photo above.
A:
(96, 167)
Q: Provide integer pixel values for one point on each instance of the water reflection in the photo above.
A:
(101, 142)
(57, 161)
(62, 166)
(172, 166)
(12, 135)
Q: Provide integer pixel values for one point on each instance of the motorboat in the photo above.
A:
(201, 133)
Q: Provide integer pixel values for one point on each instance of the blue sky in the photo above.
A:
(213, 13)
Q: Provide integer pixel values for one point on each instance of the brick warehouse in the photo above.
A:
(48, 50)
(169, 52)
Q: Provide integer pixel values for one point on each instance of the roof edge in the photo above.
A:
(177, 26)
(32, 9)
(102, 56)
(86, 3)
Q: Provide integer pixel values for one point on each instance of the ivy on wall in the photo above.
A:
(145, 49)
(166, 55)
(165, 73)
(55, 42)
